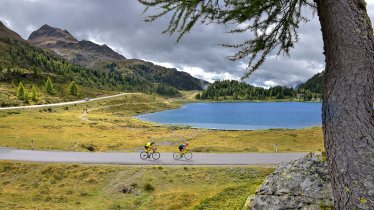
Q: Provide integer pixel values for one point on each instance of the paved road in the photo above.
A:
(63, 103)
(134, 159)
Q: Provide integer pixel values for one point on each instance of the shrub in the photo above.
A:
(90, 147)
(21, 91)
(49, 86)
(73, 88)
(148, 187)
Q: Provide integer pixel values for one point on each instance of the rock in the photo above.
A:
(127, 189)
(300, 184)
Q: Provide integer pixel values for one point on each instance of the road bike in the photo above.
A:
(153, 153)
(179, 155)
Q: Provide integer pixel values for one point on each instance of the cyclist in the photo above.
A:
(149, 146)
(183, 147)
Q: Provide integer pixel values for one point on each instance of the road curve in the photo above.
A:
(62, 103)
(134, 159)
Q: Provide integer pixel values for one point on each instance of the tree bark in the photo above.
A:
(348, 96)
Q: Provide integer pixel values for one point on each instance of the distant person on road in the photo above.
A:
(149, 146)
(183, 147)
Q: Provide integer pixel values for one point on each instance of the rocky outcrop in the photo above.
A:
(47, 35)
(83, 52)
(300, 184)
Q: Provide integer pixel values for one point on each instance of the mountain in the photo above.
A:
(314, 84)
(23, 61)
(103, 58)
(7, 33)
(83, 52)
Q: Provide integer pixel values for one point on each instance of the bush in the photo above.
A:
(148, 187)
(90, 147)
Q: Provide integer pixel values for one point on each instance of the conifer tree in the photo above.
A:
(49, 86)
(73, 88)
(21, 91)
(34, 93)
(26, 96)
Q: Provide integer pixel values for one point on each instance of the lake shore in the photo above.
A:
(109, 126)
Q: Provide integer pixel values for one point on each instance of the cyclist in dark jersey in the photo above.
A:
(183, 147)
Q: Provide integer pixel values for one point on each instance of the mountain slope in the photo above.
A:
(314, 84)
(7, 33)
(85, 53)
(22, 62)
(103, 58)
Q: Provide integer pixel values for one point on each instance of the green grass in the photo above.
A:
(109, 126)
(75, 186)
(8, 94)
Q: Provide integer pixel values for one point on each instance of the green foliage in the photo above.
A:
(148, 187)
(273, 23)
(27, 97)
(73, 88)
(49, 86)
(22, 60)
(314, 84)
(21, 91)
(242, 91)
(34, 93)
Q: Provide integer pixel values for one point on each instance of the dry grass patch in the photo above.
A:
(75, 186)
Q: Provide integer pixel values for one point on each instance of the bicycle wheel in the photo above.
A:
(188, 155)
(156, 155)
(177, 156)
(143, 155)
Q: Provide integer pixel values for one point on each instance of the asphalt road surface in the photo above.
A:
(134, 158)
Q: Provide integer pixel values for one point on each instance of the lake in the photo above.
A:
(241, 115)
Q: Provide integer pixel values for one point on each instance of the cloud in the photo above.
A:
(120, 25)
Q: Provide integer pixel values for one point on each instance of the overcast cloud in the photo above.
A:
(119, 24)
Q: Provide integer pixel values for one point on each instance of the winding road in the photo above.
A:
(63, 103)
(134, 159)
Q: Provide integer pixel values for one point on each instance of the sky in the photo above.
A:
(120, 25)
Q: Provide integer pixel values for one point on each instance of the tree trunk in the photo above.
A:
(348, 96)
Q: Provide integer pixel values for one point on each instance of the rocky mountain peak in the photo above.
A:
(83, 52)
(46, 35)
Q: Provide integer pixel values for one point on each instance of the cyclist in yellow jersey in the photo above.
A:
(149, 146)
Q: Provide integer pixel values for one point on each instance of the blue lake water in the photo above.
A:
(241, 116)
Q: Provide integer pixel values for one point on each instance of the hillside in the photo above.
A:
(103, 58)
(234, 90)
(314, 84)
(23, 62)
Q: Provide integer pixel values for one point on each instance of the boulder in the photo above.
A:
(299, 184)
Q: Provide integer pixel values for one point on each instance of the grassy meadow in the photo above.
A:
(76, 186)
(109, 126)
